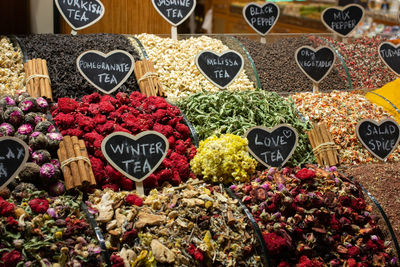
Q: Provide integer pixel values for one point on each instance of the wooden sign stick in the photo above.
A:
(174, 33)
(315, 87)
(263, 40)
(139, 188)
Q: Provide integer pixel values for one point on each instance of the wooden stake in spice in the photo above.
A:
(37, 78)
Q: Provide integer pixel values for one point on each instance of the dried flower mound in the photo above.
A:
(223, 159)
(39, 205)
(134, 200)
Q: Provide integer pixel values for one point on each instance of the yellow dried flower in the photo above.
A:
(223, 159)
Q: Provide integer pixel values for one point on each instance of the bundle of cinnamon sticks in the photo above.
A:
(324, 147)
(37, 78)
(147, 78)
(75, 163)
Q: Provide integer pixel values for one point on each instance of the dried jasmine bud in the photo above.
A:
(27, 105)
(7, 101)
(14, 115)
(38, 140)
(33, 118)
(23, 137)
(45, 127)
(7, 129)
(30, 173)
(49, 173)
(25, 129)
(42, 103)
(54, 140)
(21, 97)
(41, 156)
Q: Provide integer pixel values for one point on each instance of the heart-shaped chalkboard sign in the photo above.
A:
(315, 63)
(106, 72)
(135, 156)
(14, 153)
(390, 55)
(381, 139)
(343, 20)
(272, 147)
(261, 17)
(80, 14)
(175, 12)
(220, 69)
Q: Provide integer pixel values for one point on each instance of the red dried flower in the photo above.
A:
(305, 174)
(67, 105)
(12, 258)
(113, 187)
(64, 119)
(11, 222)
(106, 107)
(127, 184)
(6, 208)
(195, 252)
(117, 261)
(358, 204)
(39, 205)
(351, 262)
(129, 236)
(306, 262)
(275, 243)
(134, 200)
(353, 251)
(92, 98)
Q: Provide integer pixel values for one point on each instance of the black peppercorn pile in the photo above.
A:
(277, 68)
(61, 52)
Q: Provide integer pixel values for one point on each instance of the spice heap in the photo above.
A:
(38, 230)
(12, 74)
(362, 60)
(175, 63)
(24, 117)
(223, 159)
(277, 68)
(98, 116)
(341, 111)
(193, 225)
(61, 52)
(315, 217)
(383, 182)
(37, 78)
(236, 112)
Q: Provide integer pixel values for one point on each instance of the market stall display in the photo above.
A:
(191, 225)
(174, 62)
(341, 111)
(275, 62)
(61, 52)
(315, 217)
(97, 116)
(12, 73)
(236, 112)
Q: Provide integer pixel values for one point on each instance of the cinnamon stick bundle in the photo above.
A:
(37, 78)
(147, 78)
(75, 163)
(325, 150)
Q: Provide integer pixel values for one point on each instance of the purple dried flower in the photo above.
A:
(233, 187)
(52, 212)
(35, 134)
(15, 117)
(56, 163)
(47, 171)
(51, 129)
(333, 169)
(393, 261)
(25, 129)
(42, 102)
(9, 101)
(374, 238)
(336, 180)
(271, 171)
(26, 105)
(265, 186)
(281, 187)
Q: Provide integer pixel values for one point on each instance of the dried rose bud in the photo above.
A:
(42, 103)
(9, 129)
(41, 156)
(25, 129)
(14, 116)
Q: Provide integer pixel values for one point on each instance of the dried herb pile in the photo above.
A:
(61, 52)
(236, 112)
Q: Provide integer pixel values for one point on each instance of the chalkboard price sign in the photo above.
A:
(272, 147)
(14, 153)
(315, 63)
(390, 55)
(80, 14)
(135, 156)
(343, 20)
(261, 18)
(220, 69)
(106, 72)
(381, 139)
(174, 11)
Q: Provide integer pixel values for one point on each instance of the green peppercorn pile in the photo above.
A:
(236, 112)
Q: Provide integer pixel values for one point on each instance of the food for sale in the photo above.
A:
(98, 116)
(24, 117)
(341, 111)
(362, 60)
(236, 112)
(38, 230)
(190, 225)
(277, 68)
(12, 74)
(315, 217)
(175, 63)
(223, 159)
(382, 181)
(61, 52)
